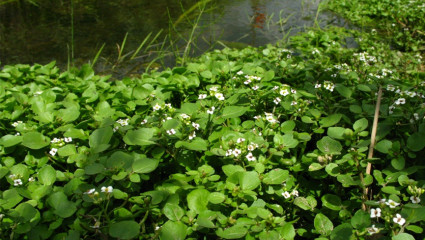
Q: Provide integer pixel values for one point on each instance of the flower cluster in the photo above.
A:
(58, 142)
(378, 213)
(17, 181)
(15, 124)
(287, 195)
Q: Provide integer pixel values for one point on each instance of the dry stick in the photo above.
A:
(372, 141)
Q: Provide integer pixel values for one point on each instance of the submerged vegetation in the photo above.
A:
(320, 136)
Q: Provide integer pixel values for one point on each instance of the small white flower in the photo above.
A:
(277, 100)
(255, 88)
(372, 230)
(219, 96)
(15, 124)
(156, 107)
(31, 179)
(192, 135)
(294, 193)
(293, 103)
(213, 89)
(250, 157)
(275, 88)
(399, 219)
(202, 96)
(17, 182)
(286, 194)
(415, 199)
(293, 91)
(90, 191)
(400, 101)
(184, 116)
(392, 204)
(284, 92)
(53, 151)
(318, 85)
(240, 140)
(375, 213)
(68, 139)
(236, 152)
(229, 152)
(38, 93)
(211, 111)
(252, 146)
(12, 176)
(239, 73)
(247, 82)
(18, 134)
(171, 131)
(144, 122)
(195, 125)
(108, 189)
(315, 51)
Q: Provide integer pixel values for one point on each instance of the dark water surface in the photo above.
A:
(73, 31)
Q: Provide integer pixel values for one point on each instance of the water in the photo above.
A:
(43, 33)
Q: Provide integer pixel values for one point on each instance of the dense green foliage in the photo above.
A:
(268, 143)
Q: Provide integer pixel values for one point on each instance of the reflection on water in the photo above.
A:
(42, 33)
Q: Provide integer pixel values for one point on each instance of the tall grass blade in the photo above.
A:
(121, 48)
(97, 55)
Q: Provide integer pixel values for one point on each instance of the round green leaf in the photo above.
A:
(142, 164)
(328, 145)
(234, 232)
(276, 176)
(173, 231)
(173, 211)
(416, 141)
(323, 225)
(403, 236)
(197, 200)
(216, 197)
(10, 140)
(233, 111)
(249, 180)
(124, 229)
(47, 175)
(332, 202)
(35, 140)
(361, 220)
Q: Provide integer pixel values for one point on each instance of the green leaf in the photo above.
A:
(346, 180)
(287, 231)
(10, 140)
(323, 225)
(142, 164)
(67, 150)
(276, 176)
(173, 231)
(383, 146)
(336, 132)
(216, 197)
(414, 228)
(344, 91)
(35, 140)
(330, 120)
(234, 232)
(173, 211)
(233, 111)
(398, 163)
(416, 141)
(360, 125)
(286, 140)
(205, 219)
(361, 220)
(403, 236)
(124, 229)
(120, 160)
(414, 213)
(141, 137)
(229, 170)
(249, 180)
(10, 199)
(332, 169)
(26, 211)
(99, 139)
(197, 200)
(328, 145)
(62, 207)
(342, 232)
(197, 144)
(332, 202)
(47, 175)
(94, 168)
(287, 126)
(308, 203)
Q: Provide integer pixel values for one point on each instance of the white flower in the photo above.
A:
(17, 182)
(240, 140)
(375, 213)
(399, 219)
(318, 85)
(53, 151)
(392, 204)
(284, 92)
(372, 230)
(171, 131)
(286, 194)
(68, 139)
(15, 124)
(90, 191)
(294, 193)
(239, 73)
(229, 152)
(192, 136)
(275, 88)
(107, 189)
(293, 91)
(400, 101)
(416, 116)
(211, 111)
(415, 199)
(219, 96)
(252, 146)
(277, 100)
(202, 96)
(38, 93)
(31, 179)
(156, 107)
(18, 134)
(390, 87)
(293, 103)
(315, 51)
(247, 82)
(236, 152)
(195, 125)
(144, 121)
(213, 89)
(184, 116)
(250, 157)
(255, 88)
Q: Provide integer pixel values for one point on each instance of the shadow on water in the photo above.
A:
(73, 31)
